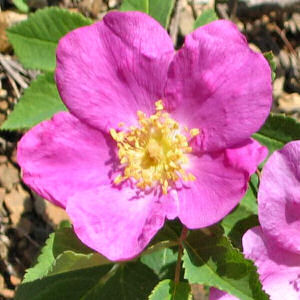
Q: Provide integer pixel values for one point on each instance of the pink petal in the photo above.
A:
(63, 156)
(279, 269)
(221, 182)
(247, 155)
(279, 197)
(215, 294)
(267, 256)
(118, 223)
(284, 285)
(218, 84)
(109, 70)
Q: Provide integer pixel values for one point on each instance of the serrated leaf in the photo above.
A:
(44, 262)
(59, 242)
(21, 5)
(159, 10)
(39, 102)
(277, 131)
(35, 40)
(162, 262)
(270, 58)
(66, 240)
(244, 215)
(131, 281)
(168, 290)
(206, 17)
(69, 285)
(71, 261)
(210, 259)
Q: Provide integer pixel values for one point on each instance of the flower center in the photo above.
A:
(155, 152)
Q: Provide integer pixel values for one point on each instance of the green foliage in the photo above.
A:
(244, 216)
(131, 281)
(210, 259)
(63, 240)
(73, 285)
(21, 5)
(35, 40)
(206, 17)
(277, 131)
(39, 102)
(270, 58)
(159, 10)
(44, 262)
(67, 269)
(71, 261)
(168, 290)
(162, 262)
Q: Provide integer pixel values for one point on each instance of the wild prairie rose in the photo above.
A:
(275, 245)
(151, 133)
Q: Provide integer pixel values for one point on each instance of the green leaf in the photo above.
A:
(244, 215)
(131, 281)
(135, 5)
(168, 290)
(210, 259)
(270, 58)
(62, 241)
(44, 262)
(162, 262)
(66, 240)
(159, 10)
(71, 261)
(277, 131)
(206, 17)
(35, 39)
(73, 285)
(39, 102)
(21, 5)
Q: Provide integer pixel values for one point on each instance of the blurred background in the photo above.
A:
(25, 219)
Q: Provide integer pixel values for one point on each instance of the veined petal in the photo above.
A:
(221, 182)
(63, 156)
(279, 197)
(108, 71)
(218, 84)
(118, 223)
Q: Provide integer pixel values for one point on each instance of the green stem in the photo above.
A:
(180, 252)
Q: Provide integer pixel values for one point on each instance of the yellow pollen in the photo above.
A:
(155, 152)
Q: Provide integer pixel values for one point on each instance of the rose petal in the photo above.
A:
(109, 70)
(279, 269)
(215, 294)
(118, 223)
(218, 84)
(221, 182)
(267, 256)
(247, 156)
(63, 156)
(279, 197)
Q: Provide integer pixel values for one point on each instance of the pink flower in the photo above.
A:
(151, 133)
(275, 246)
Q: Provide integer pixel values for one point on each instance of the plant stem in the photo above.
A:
(180, 252)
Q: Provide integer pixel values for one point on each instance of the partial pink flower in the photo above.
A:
(274, 246)
(151, 134)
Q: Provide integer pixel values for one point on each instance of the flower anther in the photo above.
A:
(154, 153)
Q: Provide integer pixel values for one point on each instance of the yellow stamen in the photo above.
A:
(155, 152)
